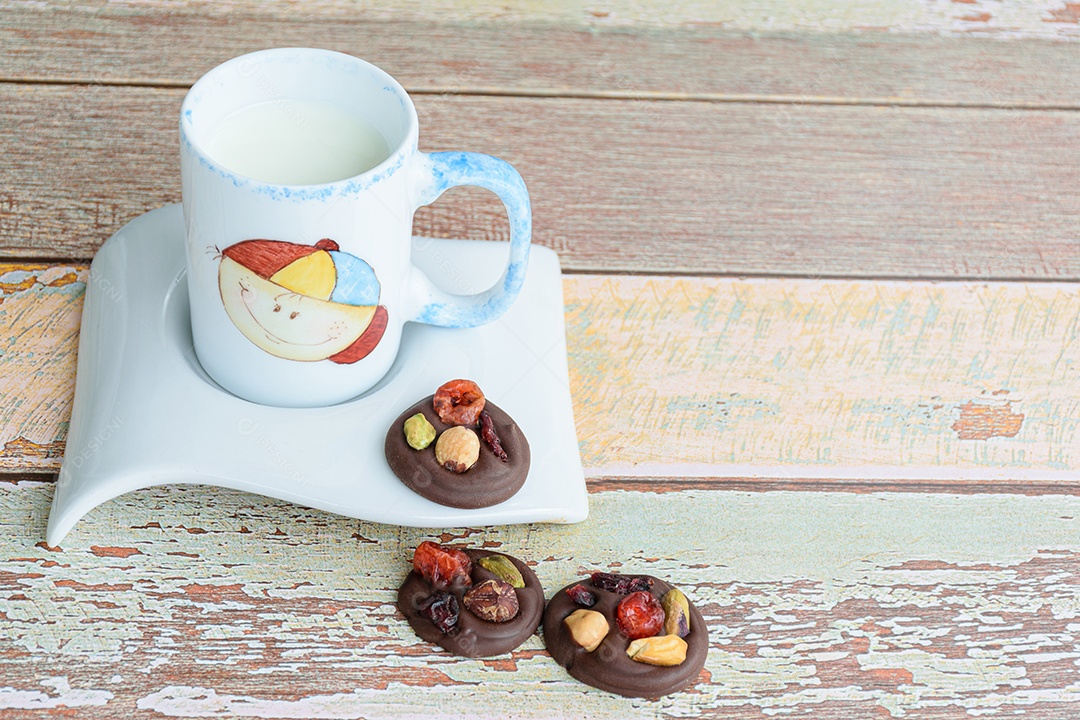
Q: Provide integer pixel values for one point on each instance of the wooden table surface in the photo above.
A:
(822, 318)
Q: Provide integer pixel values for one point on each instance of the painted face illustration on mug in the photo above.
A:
(302, 302)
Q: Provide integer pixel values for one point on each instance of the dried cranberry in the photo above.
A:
(491, 437)
(442, 566)
(581, 596)
(441, 609)
(621, 584)
(459, 402)
(640, 615)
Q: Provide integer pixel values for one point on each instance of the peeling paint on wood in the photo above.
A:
(832, 604)
(448, 53)
(197, 602)
(723, 377)
(733, 378)
(1035, 18)
(982, 422)
(40, 309)
(56, 693)
(730, 188)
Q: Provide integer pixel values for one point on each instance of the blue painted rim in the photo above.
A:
(348, 186)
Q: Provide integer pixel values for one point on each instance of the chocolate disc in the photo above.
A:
(489, 482)
(608, 667)
(471, 636)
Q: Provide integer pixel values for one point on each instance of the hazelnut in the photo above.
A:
(457, 449)
(492, 600)
(588, 628)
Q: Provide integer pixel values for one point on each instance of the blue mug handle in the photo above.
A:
(441, 171)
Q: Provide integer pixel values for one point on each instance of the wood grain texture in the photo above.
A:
(801, 380)
(200, 601)
(567, 49)
(804, 378)
(1036, 18)
(40, 309)
(694, 187)
(845, 602)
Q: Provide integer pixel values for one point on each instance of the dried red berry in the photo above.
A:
(441, 609)
(621, 584)
(581, 596)
(640, 615)
(487, 431)
(459, 402)
(442, 566)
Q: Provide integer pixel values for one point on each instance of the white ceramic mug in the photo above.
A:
(299, 292)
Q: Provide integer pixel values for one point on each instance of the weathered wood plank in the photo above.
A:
(40, 309)
(914, 384)
(694, 187)
(1036, 18)
(703, 51)
(861, 485)
(832, 379)
(196, 601)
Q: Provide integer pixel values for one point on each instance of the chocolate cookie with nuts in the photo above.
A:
(458, 449)
(473, 603)
(633, 635)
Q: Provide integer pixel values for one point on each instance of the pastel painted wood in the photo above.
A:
(1038, 18)
(715, 377)
(980, 53)
(815, 378)
(744, 438)
(183, 602)
(40, 308)
(728, 188)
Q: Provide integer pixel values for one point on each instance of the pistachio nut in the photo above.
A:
(419, 433)
(676, 613)
(663, 650)
(501, 566)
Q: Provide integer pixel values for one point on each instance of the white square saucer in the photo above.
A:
(147, 414)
